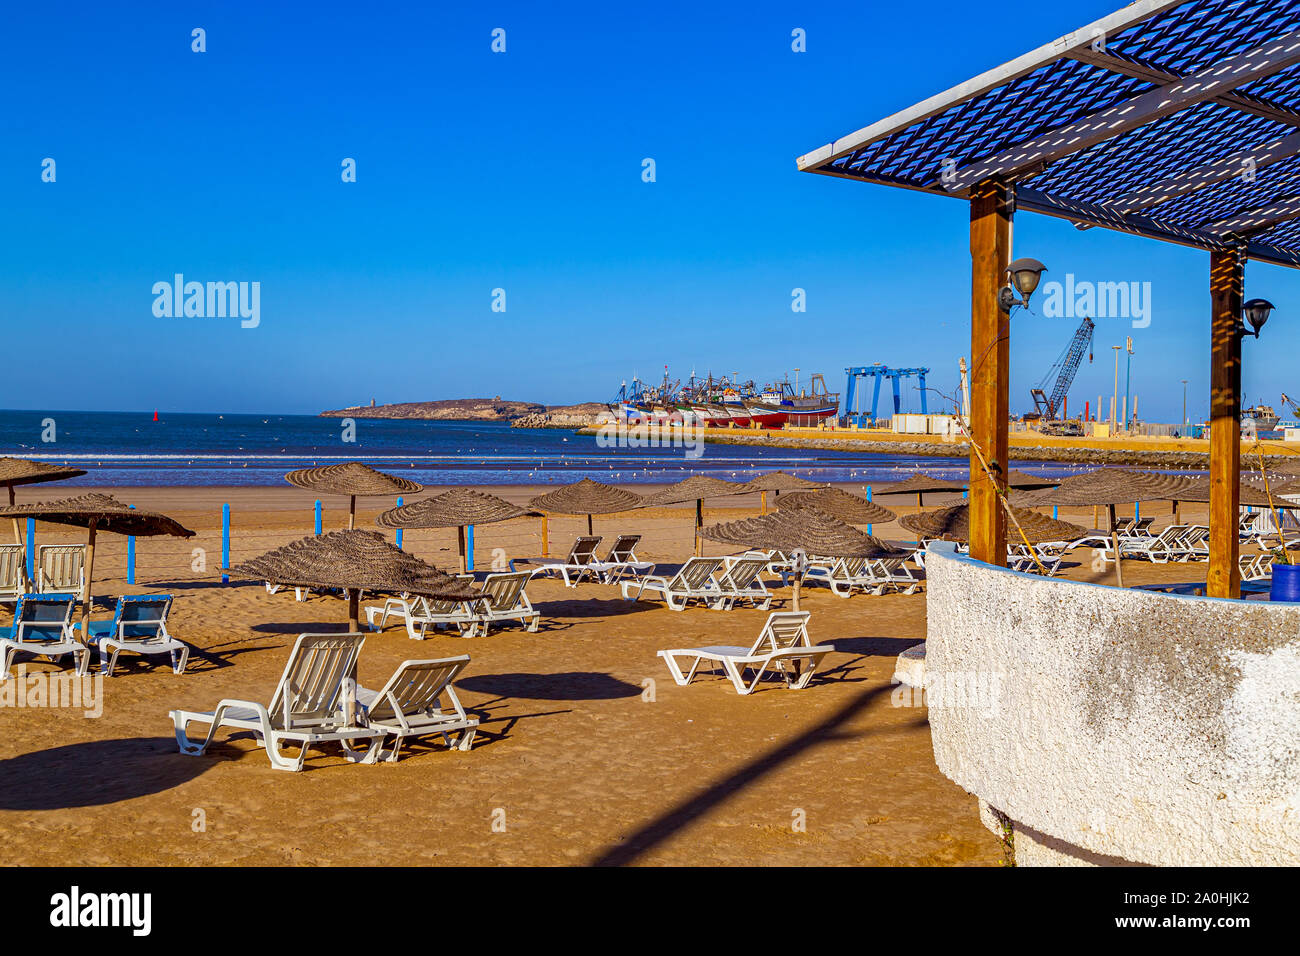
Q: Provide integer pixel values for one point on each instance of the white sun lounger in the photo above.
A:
(139, 626)
(12, 572)
(692, 582)
(42, 626)
(622, 560)
(314, 702)
(741, 580)
(783, 647)
(60, 568)
(419, 613)
(506, 601)
(582, 562)
(411, 704)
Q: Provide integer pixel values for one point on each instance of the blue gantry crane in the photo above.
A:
(878, 372)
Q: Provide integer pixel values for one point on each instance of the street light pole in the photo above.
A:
(1114, 396)
(1184, 403)
(1128, 375)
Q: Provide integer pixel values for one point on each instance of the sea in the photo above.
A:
(134, 449)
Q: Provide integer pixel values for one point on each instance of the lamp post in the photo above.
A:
(1184, 404)
(1128, 376)
(1114, 396)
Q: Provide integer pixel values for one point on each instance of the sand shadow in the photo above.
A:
(570, 686)
(582, 609)
(95, 773)
(873, 646)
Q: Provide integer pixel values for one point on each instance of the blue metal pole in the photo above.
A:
(1055, 517)
(925, 409)
(318, 518)
(31, 549)
(225, 541)
(400, 502)
(868, 498)
(130, 557)
(875, 396)
(469, 548)
(898, 399)
(1137, 510)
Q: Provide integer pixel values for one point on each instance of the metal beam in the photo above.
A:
(1257, 220)
(1222, 77)
(1251, 159)
(1153, 74)
(1085, 36)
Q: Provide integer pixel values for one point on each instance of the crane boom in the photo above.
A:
(1069, 362)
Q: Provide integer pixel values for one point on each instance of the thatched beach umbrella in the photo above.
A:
(848, 507)
(696, 488)
(96, 513)
(355, 561)
(350, 478)
(953, 524)
(1021, 481)
(1105, 488)
(919, 484)
(806, 529)
(777, 482)
(457, 508)
(20, 471)
(585, 497)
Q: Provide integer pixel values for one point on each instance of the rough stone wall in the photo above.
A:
(1148, 727)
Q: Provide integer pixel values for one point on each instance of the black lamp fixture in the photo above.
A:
(1022, 280)
(1255, 312)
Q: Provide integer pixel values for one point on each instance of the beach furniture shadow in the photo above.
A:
(94, 773)
(570, 686)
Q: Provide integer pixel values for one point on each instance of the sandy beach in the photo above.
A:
(588, 753)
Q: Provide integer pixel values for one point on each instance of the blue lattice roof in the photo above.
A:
(1175, 119)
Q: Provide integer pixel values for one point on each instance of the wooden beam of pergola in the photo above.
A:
(1226, 283)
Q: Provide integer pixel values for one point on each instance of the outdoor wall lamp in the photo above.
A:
(1022, 280)
(1256, 313)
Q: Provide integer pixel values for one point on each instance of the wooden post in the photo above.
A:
(762, 506)
(990, 248)
(352, 512)
(589, 531)
(1114, 543)
(460, 539)
(545, 538)
(1226, 282)
(353, 615)
(699, 523)
(90, 577)
(18, 537)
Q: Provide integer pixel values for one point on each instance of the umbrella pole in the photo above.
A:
(18, 537)
(1177, 520)
(354, 599)
(460, 537)
(762, 505)
(1114, 542)
(85, 591)
(589, 531)
(798, 583)
(352, 512)
(699, 523)
(545, 538)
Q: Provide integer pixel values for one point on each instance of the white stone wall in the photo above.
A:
(1117, 725)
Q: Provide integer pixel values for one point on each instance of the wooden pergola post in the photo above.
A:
(1226, 283)
(990, 250)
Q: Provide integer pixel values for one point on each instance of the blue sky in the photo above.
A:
(520, 171)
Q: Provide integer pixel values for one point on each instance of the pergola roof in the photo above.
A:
(1173, 119)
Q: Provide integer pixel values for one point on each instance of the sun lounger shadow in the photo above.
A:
(568, 686)
(889, 647)
(94, 773)
(591, 608)
(488, 730)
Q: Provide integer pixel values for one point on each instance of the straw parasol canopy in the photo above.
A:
(777, 482)
(350, 478)
(457, 508)
(96, 512)
(21, 471)
(953, 524)
(355, 561)
(1252, 495)
(919, 484)
(848, 507)
(696, 488)
(1021, 481)
(586, 497)
(806, 529)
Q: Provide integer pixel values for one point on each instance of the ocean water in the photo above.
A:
(130, 448)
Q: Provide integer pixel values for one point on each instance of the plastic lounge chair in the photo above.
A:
(692, 582)
(314, 702)
(506, 601)
(741, 581)
(61, 568)
(782, 647)
(622, 561)
(419, 613)
(580, 563)
(42, 626)
(13, 572)
(411, 705)
(139, 625)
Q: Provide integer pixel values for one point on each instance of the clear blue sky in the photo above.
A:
(522, 171)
